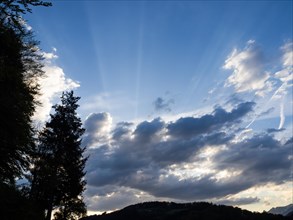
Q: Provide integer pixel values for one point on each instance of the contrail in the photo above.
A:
(282, 115)
(273, 96)
(277, 91)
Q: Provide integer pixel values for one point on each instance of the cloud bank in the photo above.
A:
(191, 158)
(211, 156)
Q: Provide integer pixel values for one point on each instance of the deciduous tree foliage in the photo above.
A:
(12, 10)
(58, 174)
(20, 66)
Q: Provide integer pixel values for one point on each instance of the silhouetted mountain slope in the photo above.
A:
(186, 211)
(284, 210)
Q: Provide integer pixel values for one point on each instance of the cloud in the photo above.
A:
(207, 156)
(239, 201)
(285, 75)
(248, 69)
(49, 56)
(192, 158)
(111, 198)
(188, 126)
(261, 159)
(52, 84)
(161, 104)
(146, 131)
(234, 99)
(98, 126)
(122, 130)
(251, 73)
(274, 130)
(288, 54)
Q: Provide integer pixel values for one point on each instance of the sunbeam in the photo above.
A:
(139, 59)
(180, 100)
(99, 70)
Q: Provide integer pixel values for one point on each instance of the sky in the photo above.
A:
(181, 100)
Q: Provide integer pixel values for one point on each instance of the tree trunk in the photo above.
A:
(49, 213)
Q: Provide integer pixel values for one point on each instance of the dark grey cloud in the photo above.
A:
(162, 104)
(261, 159)
(206, 187)
(290, 141)
(145, 131)
(139, 157)
(146, 155)
(95, 121)
(182, 150)
(190, 126)
(274, 130)
(122, 129)
(95, 125)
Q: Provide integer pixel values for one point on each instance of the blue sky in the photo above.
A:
(162, 75)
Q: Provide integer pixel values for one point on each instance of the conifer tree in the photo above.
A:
(58, 176)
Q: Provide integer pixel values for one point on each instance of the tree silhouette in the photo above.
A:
(20, 66)
(58, 181)
(11, 11)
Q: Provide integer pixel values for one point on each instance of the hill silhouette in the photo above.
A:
(282, 210)
(185, 211)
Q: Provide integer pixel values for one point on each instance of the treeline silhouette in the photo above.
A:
(40, 171)
(185, 211)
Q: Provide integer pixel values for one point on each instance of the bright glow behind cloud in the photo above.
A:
(52, 84)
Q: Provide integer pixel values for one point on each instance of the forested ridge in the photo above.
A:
(185, 211)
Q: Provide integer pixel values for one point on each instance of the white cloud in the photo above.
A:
(52, 84)
(248, 73)
(49, 56)
(288, 54)
(285, 74)
(286, 77)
